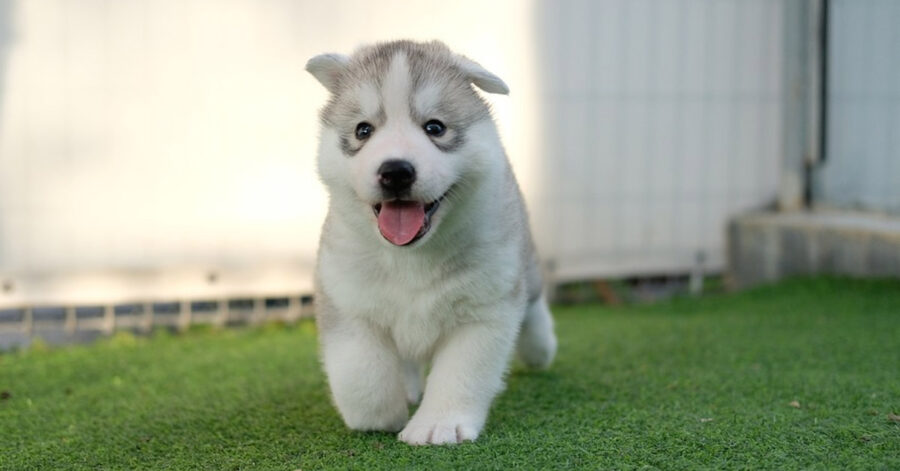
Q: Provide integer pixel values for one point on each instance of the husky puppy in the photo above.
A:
(426, 258)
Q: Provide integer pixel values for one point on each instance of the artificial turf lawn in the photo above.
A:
(685, 384)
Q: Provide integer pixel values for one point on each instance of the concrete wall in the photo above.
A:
(766, 247)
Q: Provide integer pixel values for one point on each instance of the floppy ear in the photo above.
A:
(481, 77)
(327, 68)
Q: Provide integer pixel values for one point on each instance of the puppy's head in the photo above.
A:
(403, 133)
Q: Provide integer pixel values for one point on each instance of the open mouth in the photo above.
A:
(404, 222)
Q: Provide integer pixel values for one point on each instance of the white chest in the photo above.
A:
(415, 300)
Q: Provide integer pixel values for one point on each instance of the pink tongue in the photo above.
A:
(400, 221)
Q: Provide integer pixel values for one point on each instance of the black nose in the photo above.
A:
(396, 175)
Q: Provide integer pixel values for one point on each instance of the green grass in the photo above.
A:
(686, 384)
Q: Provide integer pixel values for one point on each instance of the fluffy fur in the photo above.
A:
(458, 300)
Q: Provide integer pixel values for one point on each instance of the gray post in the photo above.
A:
(801, 108)
(293, 310)
(71, 321)
(28, 322)
(222, 314)
(148, 317)
(184, 316)
(109, 319)
(258, 313)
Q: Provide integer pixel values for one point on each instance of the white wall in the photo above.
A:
(862, 167)
(662, 119)
(153, 133)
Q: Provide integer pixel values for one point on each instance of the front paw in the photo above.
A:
(448, 429)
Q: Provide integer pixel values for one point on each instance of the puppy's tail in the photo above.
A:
(537, 342)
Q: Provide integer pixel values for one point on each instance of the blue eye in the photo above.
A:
(434, 128)
(364, 130)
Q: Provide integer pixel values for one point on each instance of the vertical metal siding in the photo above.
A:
(150, 133)
(663, 119)
(862, 169)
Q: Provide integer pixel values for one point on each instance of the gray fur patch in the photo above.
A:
(347, 149)
(350, 146)
(459, 138)
(430, 64)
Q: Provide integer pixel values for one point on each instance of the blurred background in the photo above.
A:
(157, 156)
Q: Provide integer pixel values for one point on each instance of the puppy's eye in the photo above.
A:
(434, 128)
(364, 130)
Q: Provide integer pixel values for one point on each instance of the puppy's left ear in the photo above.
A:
(327, 69)
(481, 77)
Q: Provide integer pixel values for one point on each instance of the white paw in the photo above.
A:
(376, 417)
(446, 430)
(413, 396)
(377, 425)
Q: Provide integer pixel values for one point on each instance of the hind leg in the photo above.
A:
(413, 373)
(537, 342)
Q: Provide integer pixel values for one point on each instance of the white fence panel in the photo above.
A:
(152, 134)
(149, 139)
(862, 167)
(661, 119)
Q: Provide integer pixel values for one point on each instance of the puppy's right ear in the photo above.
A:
(327, 68)
(480, 76)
